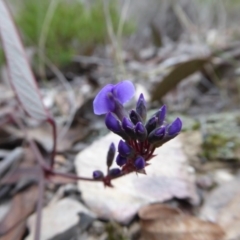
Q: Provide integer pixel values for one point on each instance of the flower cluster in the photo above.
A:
(140, 137)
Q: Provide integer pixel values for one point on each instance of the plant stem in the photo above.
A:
(72, 176)
(41, 187)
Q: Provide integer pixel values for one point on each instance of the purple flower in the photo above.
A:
(140, 137)
(122, 91)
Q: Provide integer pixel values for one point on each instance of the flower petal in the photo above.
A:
(101, 103)
(124, 91)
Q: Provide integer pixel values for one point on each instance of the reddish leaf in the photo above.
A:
(21, 76)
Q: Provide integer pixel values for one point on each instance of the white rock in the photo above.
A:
(57, 218)
(141, 89)
(167, 177)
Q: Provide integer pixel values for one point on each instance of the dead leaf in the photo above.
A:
(13, 226)
(30, 174)
(74, 134)
(16, 233)
(159, 221)
(168, 177)
(43, 135)
(178, 73)
(12, 159)
(26, 170)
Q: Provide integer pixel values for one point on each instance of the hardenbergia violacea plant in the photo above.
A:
(140, 137)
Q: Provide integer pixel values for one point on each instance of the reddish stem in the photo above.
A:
(142, 148)
(136, 146)
(72, 176)
(41, 188)
(150, 153)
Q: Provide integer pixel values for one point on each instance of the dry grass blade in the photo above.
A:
(21, 76)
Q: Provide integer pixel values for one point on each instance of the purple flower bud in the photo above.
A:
(161, 115)
(128, 127)
(159, 132)
(157, 135)
(151, 124)
(111, 154)
(114, 172)
(123, 92)
(97, 174)
(175, 127)
(172, 131)
(139, 163)
(134, 116)
(141, 132)
(113, 123)
(120, 160)
(127, 124)
(124, 149)
(141, 108)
